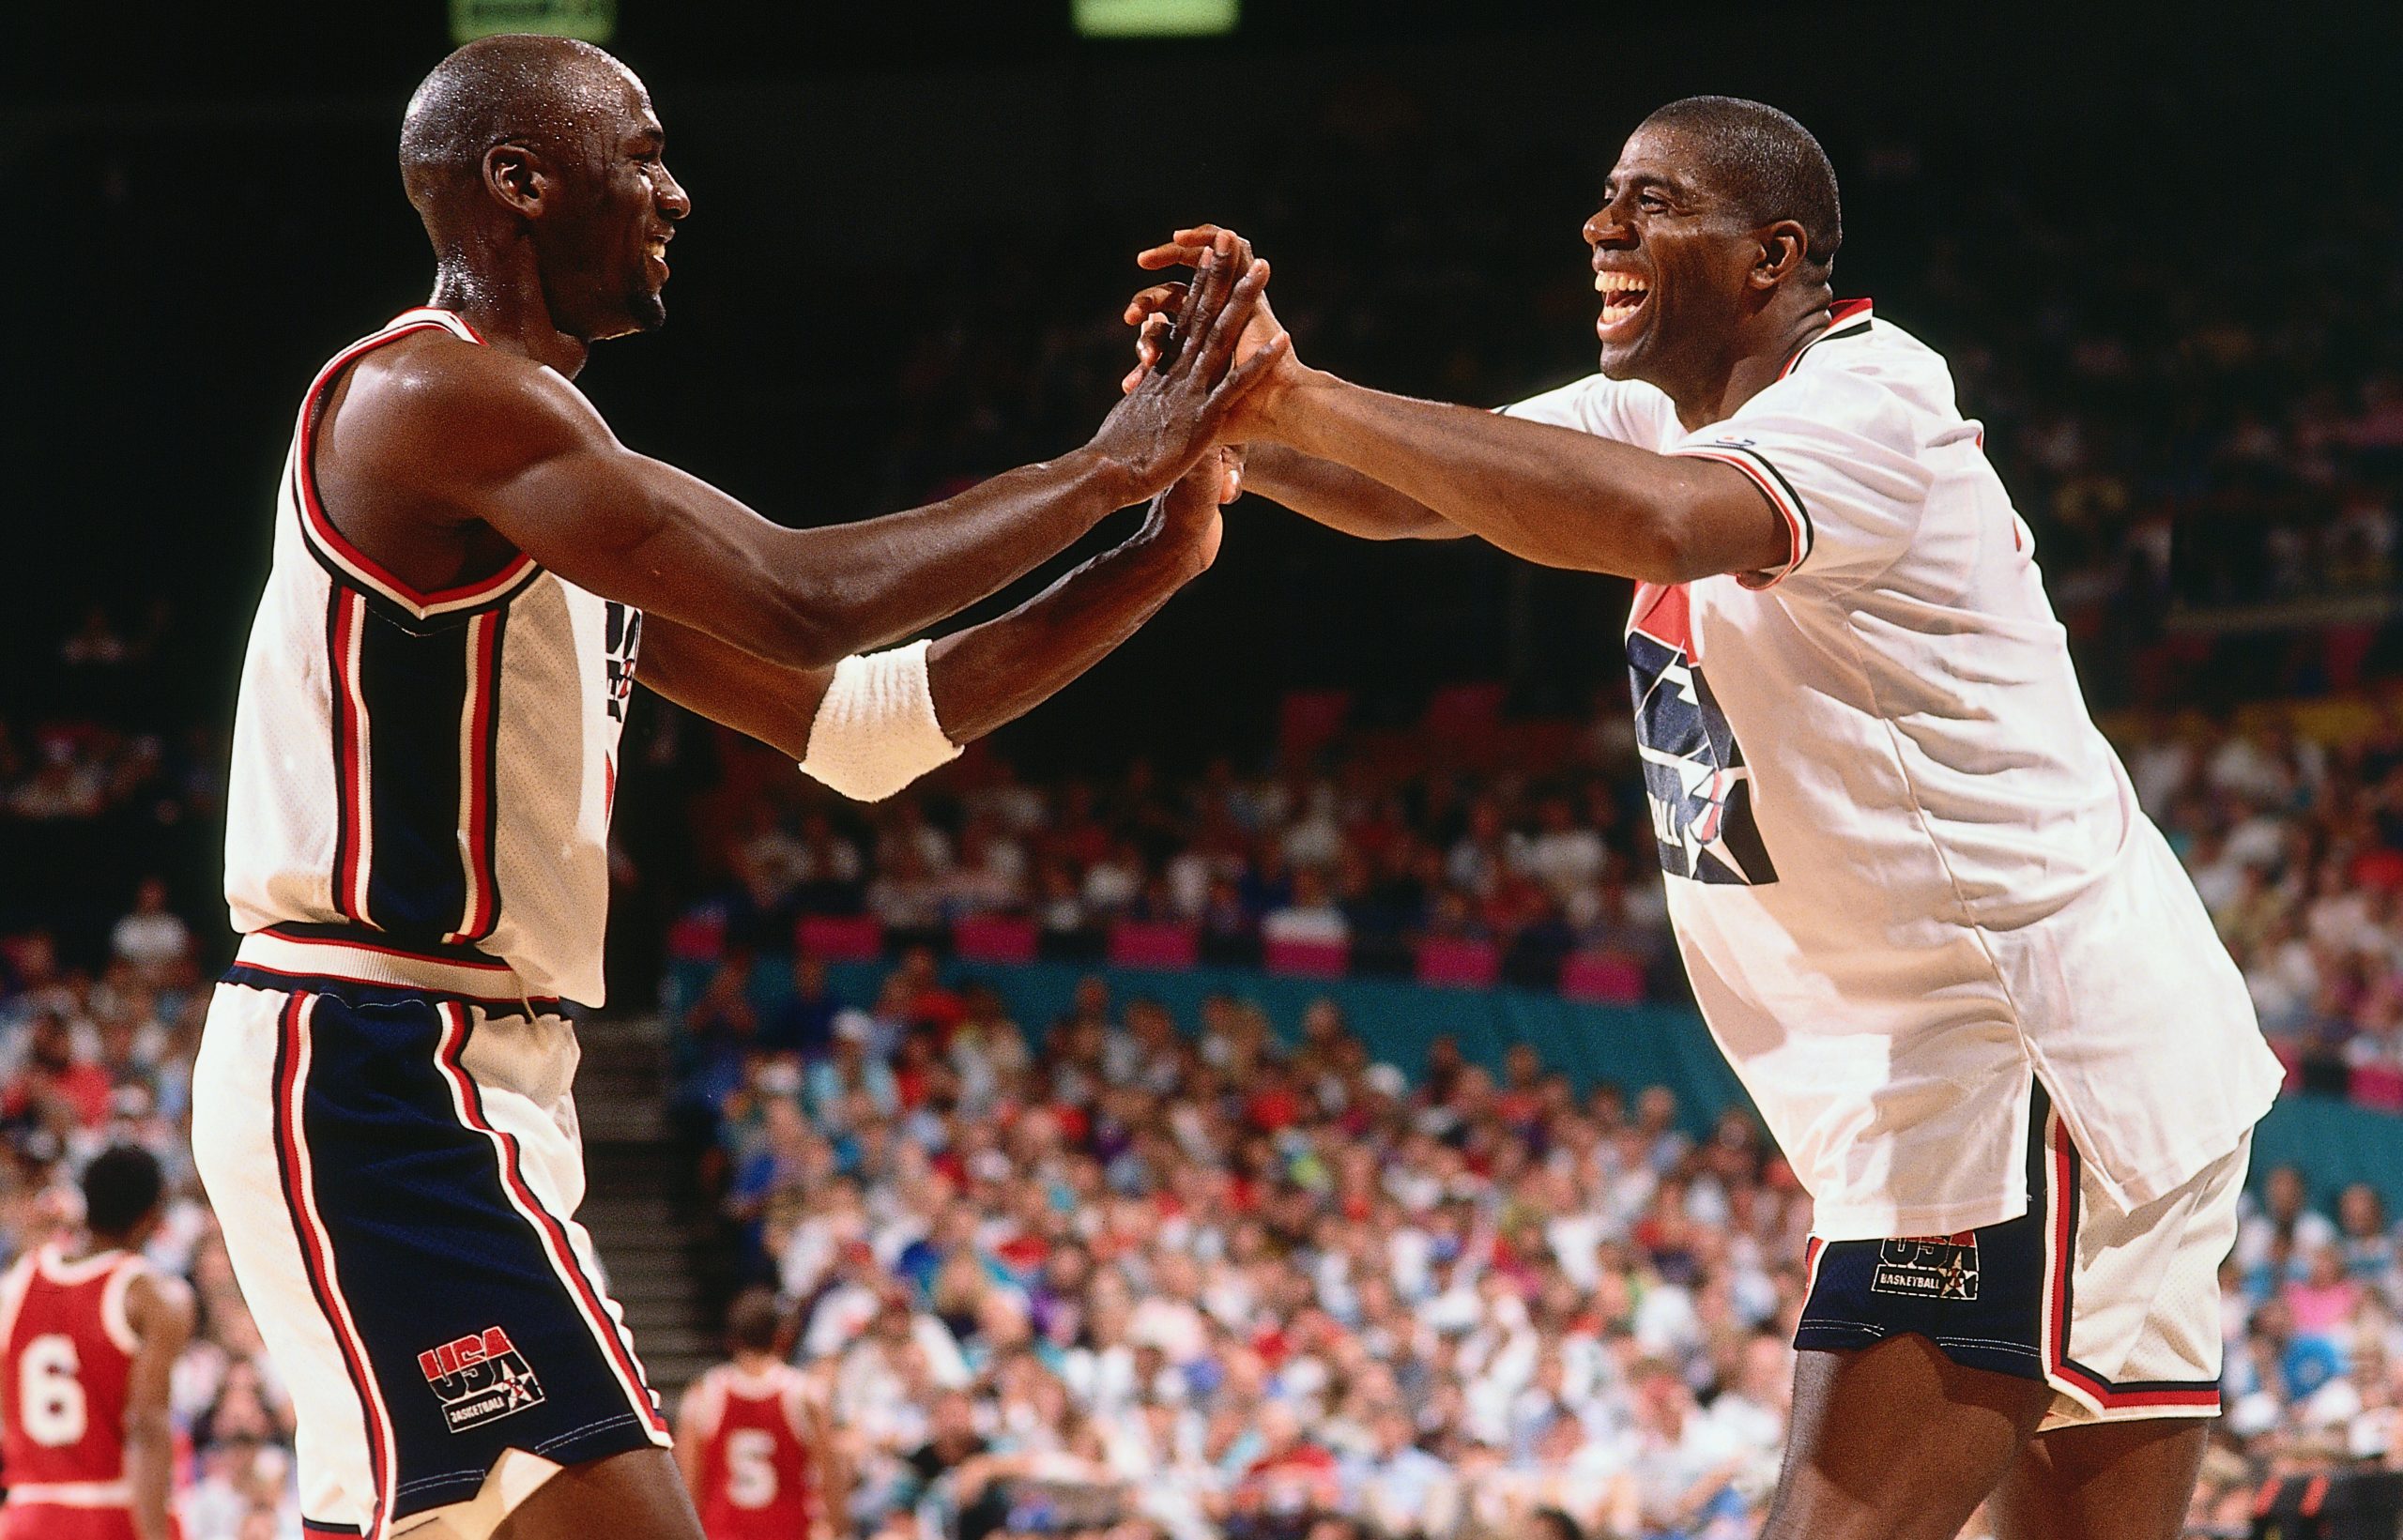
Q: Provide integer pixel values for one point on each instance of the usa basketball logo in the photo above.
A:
(1928, 1267)
(1693, 772)
(479, 1377)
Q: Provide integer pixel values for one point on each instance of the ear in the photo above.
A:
(1785, 247)
(520, 179)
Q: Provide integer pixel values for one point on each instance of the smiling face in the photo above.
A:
(605, 248)
(1672, 259)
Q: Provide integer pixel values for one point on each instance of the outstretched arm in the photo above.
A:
(1341, 498)
(544, 472)
(1551, 495)
(982, 677)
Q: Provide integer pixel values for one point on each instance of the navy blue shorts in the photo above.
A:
(2119, 1312)
(396, 1170)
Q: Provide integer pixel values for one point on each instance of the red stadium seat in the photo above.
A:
(840, 938)
(2379, 1086)
(994, 938)
(698, 937)
(1610, 977)
(1466, 965)
(1312, 959)
(1141, 944)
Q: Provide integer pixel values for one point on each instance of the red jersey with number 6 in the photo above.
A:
(66, 1358)
(756, 1472)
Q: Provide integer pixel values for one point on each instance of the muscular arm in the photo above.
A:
(980, 678)
(161, 1313)
(438, 444)
(1341, 498)
(1551, 495)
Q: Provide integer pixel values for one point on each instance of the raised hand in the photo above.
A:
(1155, 310)
(1177, 411)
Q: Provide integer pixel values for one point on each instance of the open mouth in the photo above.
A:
(657, 249)
(1623, 295)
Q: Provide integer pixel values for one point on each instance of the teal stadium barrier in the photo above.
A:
(2335, 1143)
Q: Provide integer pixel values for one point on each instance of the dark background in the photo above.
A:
(914, 226)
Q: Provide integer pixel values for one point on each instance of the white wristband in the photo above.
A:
(875, 730)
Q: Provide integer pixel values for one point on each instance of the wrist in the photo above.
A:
(1284, 407)
(1117, 482)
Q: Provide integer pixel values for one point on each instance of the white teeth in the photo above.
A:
(1612, 282)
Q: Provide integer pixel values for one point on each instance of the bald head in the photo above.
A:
(552, 95)
(1767, 164)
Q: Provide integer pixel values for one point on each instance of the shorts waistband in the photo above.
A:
(70, 1494)
(359, 960)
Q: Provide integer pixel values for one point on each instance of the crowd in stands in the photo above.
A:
(1132, 1268)
(98, 1052)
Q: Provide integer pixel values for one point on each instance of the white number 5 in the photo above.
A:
(750, 1468)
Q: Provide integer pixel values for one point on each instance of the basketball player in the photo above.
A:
(753, 1442)
(89, 1338)
(1958, 969)
(468, 569)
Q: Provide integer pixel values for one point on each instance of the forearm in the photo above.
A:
(1550, 495)
(1341, 497)
(873, 583)
(149, 1474)
(996, 672)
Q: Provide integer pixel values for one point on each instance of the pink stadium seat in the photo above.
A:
(2379, 1086)
(1313, 959)
(1469, 964)
(1606, 976)
(994, 938)
(840, 938)
(1138, 944)
(697, 937)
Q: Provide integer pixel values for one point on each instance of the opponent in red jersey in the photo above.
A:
(754, 1441)
(89, 1335)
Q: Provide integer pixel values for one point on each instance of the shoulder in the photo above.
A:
(156, 1302)
(438, 398)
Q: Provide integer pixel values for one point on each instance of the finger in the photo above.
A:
(1214, 281)
(1159, 299)
(1181, 248)
(1226, 329)
(1174, 254)
(1243, 376)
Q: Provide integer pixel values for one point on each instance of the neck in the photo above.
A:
(498, 290)
(1759, 354)
(752, 1362)
(95, 1245)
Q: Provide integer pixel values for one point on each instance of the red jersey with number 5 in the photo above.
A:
(756, 1471)
(66, 1357)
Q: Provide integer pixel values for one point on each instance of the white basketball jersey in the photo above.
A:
(435, 769)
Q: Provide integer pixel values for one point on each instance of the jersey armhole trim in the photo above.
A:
(114, 1320)
(345, 562)
(1801, 536)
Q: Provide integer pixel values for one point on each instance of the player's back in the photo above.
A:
(431, 771)
(66, 1350)
(757, 1480)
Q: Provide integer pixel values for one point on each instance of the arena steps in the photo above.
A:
(635, 1201)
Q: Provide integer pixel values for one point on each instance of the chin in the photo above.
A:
(647, 311)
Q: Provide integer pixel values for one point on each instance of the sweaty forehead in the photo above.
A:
(1654, 153)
